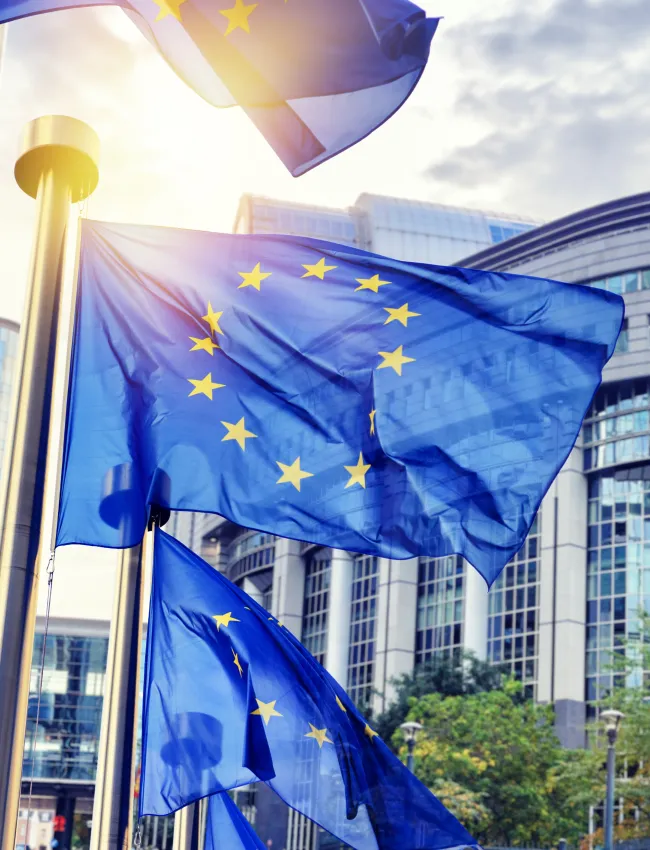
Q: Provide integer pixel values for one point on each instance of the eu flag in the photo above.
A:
(322, 393)
(315, 77)
(229, 692)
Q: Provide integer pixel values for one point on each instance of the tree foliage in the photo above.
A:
(449, 676)
(498, 765)
(629, 665)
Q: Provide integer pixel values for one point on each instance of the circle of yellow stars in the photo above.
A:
(293, 473)
(267, 710)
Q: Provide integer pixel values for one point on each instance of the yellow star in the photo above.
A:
(292, 474)
(212, 319)
(236, 662)
(253, 278)
(399, 314)
(372, 283)
(319, 735)
(340, 704)
(358, 473)
(266, 710)
(237, 432)
(318, 269)
(238, 16)
(370, 732)
(204, 386)
(168, 7)
(224, 620)
(395, 359)
(372, 421)
(204, 345)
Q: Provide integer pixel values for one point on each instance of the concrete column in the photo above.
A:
(338, 615)
(395, 629)
(288, 584)
(249, 587)
(562, 600)
(475, 618)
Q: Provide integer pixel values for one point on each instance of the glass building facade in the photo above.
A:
(316, 604)
(440, 614)
(63, 743)
(513, 613)
(397, 227)
(363, 629)
(264, 215)
(618, 573)
(617, 428)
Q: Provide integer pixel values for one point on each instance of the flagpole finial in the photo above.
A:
(64, 144)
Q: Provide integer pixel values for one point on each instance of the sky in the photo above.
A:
(536, 109)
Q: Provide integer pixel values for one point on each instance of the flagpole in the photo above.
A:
(115, 779)
(57, 166)
(186, 828)
(112, 819)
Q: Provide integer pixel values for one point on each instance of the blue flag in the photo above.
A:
(226, 828)
(314, 77)
(265, 706)
(319, 392)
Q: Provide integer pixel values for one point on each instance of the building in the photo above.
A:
(407, 230)
(576, 589)
(9, 332)
(593, 566)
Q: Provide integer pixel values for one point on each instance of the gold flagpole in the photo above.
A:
(114, 785)
(57, 166)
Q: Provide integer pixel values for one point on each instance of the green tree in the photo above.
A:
(503, 764)
(630, 663)
(449, 676)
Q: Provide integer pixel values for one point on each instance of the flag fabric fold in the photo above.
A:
(320, 392)
(315, 78)
(202, 628)
(226, 828)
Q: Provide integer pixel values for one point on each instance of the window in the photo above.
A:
(440, 611)
(67, 737)
(513, 613)
(363, 614)
(316, 604)
(624, 283)
(618, 573)
(622, 343)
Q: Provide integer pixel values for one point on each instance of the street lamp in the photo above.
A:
(410, 730)
(612, 720)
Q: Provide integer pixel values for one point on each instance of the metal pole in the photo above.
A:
(410, 761)
(115, 779)
(186, 828)
(57, 166)
(609, 802)
(114, 785)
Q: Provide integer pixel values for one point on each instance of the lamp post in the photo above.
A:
(410, 730)
(612, 720)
